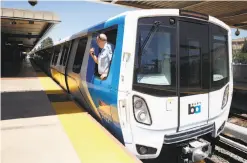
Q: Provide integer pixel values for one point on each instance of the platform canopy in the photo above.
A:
(25, 27)
(233, 13)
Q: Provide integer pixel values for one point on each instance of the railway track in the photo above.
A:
(229, 150)
(238, 116)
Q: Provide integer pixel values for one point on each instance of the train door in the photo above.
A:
(54, 65)
(74, 68)
(66, 62)
(62, 64)
(194, 73)
(48, 60)
(59, 65)
(52, 60)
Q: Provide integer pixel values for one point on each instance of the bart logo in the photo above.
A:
(194, 108)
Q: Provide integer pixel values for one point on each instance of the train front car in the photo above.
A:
(175, 81)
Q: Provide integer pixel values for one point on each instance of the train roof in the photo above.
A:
(121, 17)
(92, 28)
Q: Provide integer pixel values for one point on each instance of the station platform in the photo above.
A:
(41, 124)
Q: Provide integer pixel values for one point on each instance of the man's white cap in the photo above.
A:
(102, 37)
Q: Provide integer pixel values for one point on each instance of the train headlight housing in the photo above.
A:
(225, 97)
(141, 111)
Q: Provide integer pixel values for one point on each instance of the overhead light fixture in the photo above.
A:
(237, 32)
(32, 2)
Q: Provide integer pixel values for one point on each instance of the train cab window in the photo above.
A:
(219, 57)
(56, 53)
(79, 54)
(111, 34)
(155, 57)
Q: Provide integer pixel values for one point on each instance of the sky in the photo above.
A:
(78, 15)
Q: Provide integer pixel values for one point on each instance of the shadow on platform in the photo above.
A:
(31, 104)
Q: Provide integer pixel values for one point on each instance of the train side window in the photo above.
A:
(111, 34)
(219, 57)
(66, 52)
(79, 54)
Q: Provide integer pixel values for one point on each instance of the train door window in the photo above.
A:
(66, 52)
(111, 34)
(61, 58)
(219, 57)
(194, 57)
(79, 54)
(52, 54)
(56, 53)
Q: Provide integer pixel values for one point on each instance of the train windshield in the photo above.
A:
(156, 68)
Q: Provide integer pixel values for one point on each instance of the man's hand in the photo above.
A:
(91, 51)
(103, 76)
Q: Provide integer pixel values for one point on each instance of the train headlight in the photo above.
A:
(225, 97)
(141, 111)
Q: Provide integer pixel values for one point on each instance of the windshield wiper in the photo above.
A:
(151, 32)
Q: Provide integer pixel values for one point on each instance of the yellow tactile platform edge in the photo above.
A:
(90, 140)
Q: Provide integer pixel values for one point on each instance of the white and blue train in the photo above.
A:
(169, 82)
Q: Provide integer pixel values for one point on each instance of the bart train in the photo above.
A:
(169, 82)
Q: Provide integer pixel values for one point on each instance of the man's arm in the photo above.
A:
(93, 55)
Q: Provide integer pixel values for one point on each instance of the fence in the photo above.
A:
(240, 73)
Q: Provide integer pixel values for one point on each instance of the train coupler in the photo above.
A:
(196, 151)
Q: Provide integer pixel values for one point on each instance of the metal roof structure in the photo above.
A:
(26, 27)
(233, 13)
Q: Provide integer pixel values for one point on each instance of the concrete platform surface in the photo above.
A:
(36, 140)
(41, 124)
(30, 130)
